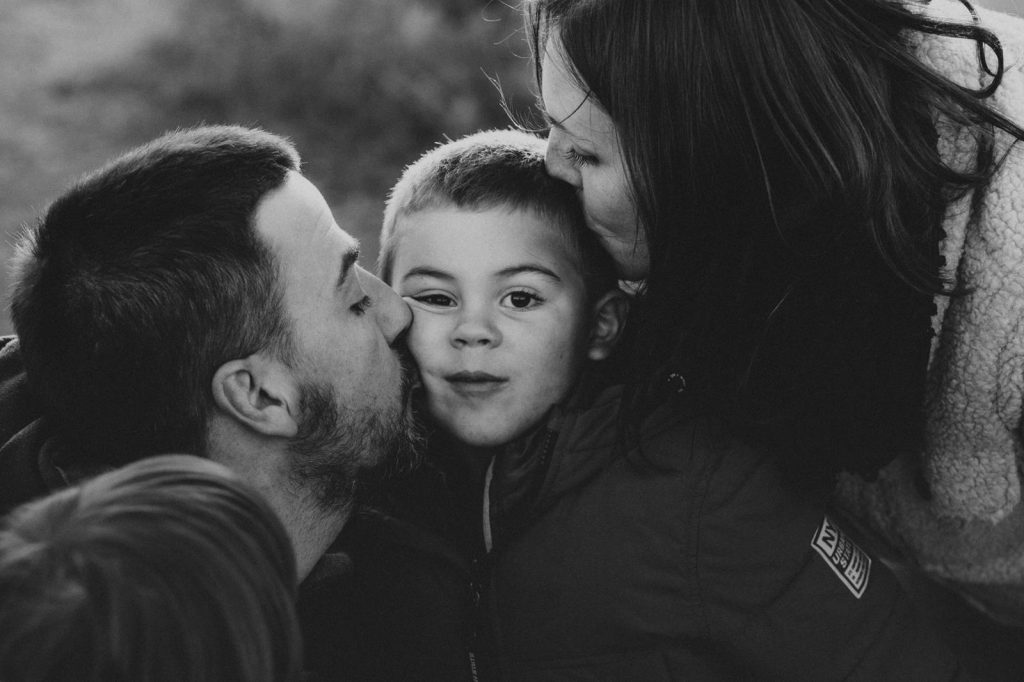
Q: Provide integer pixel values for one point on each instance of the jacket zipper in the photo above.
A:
(485, 563)
(475, 582)
(476, 591)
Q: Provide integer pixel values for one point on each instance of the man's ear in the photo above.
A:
(609, 321)
(260, 393)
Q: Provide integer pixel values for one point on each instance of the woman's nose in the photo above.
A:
(557, 164)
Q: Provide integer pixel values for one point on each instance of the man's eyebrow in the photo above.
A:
(348, 259)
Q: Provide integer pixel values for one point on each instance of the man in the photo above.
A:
(196, 295)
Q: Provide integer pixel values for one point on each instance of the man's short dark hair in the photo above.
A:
(141, 280)
(488, 169)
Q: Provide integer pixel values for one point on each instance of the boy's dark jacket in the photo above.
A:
(698, 566)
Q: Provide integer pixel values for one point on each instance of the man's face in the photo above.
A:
(344, 323)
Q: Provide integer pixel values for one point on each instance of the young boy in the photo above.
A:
(540, 543)
(511, 294)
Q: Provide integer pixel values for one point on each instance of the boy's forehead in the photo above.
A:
(454, 233)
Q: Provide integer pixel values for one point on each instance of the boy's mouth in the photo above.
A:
(475, 383)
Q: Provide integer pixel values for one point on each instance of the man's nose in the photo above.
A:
(393, 314)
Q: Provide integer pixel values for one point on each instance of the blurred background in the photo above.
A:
(361, 86)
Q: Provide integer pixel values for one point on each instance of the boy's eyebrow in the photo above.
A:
(423, 271)
(528, 268)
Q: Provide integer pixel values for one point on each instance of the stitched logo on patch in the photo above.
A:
(843, 556)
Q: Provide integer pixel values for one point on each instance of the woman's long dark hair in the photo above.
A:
(784, 163)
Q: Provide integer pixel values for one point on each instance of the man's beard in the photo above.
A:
(339, 453)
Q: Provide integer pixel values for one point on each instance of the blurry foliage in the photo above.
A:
(361, 86)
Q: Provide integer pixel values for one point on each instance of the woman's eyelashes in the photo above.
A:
(578, 159)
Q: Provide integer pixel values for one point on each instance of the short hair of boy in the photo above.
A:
(143, 278)
(489, 169)
(170, 569)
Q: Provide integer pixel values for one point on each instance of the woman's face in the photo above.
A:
(583, 150)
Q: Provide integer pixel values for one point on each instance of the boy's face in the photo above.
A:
(500, 317)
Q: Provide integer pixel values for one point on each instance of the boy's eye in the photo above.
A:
(439, 300)
(521, 300)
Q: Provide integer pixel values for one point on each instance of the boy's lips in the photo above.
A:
(475, 383)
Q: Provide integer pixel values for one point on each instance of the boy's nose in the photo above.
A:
(475, 330)
(393, 314)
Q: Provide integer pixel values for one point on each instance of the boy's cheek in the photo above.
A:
(426, 337)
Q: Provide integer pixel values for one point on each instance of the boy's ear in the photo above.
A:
(259, 392)
(610, 312)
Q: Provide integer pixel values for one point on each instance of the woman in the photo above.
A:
(788, 180)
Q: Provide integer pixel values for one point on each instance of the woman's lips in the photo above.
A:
(475, 384)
